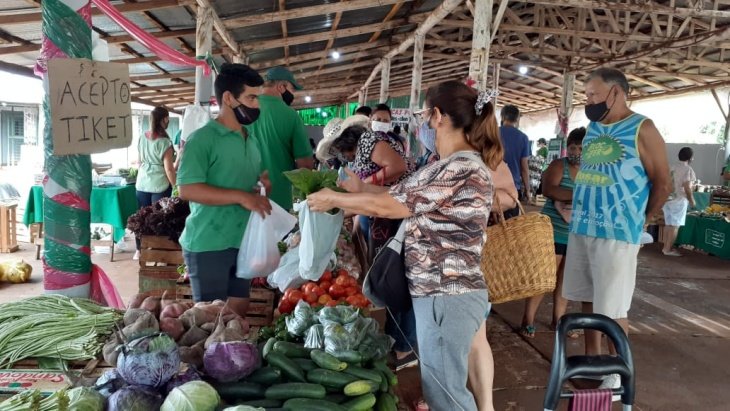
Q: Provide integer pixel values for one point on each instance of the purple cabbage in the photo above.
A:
(189, 375)
(134, 398)
(231, 361)
(150, 361)
(109, 383)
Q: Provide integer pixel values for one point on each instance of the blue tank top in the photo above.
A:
(612, 187)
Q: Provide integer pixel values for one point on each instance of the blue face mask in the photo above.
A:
(427, 135)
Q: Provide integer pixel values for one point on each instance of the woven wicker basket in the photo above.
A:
(518, 259)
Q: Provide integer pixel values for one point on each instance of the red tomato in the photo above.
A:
(308, 287)
(285, 307)
(342, 272)
(352, 300)
(295, 296)
(337, 291)
(363, 301)
(350, 291)
(324, 299)
(310, 297)
(343, 280)
(319, 291)
(325, 285)
(327, 276)
(331, 303)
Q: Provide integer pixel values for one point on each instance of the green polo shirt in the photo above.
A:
(220, 157)
(282, 138)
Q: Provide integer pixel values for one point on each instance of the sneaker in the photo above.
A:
(136, 255)
(409, 360)
(672, 253)
(612, 382)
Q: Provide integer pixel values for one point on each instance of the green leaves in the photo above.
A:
(307, 182)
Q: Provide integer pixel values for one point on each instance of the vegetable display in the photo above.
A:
(164, 218)
(134, 398)
(54, 326)
(330, 290)
(192, 396)
(149, 361)
(231, 361)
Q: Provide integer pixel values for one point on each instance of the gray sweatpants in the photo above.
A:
(446, 325)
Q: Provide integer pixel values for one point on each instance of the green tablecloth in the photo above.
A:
(109, 205)
(702, 200)
(708, 234)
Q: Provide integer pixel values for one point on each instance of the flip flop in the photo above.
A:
(528, 331)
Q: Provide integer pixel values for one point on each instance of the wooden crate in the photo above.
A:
(260, 308)
(159, 259)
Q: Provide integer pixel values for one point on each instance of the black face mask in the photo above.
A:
(288, 97)
(597, 112)
(246, 115)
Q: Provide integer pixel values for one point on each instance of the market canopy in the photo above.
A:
(664, 47)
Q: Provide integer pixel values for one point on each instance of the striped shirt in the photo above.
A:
(449, 200)
(560, 226)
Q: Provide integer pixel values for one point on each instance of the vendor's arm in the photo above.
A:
(215, 196)
(392, 165)
(169, 163)
(654, 158)
(381, 204)
(551, 183)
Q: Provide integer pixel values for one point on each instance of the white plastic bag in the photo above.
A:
(287, 275)
(259, 253)
(194, 118)
(319, 239)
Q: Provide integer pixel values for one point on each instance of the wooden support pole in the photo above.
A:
(417, 72)
(203, 45)
(495, 80)
(566, 103)
(481, 38)
(384, 81)
(361, 98)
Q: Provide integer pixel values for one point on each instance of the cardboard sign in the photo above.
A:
(400, 116)
(14, 381)
(91, 110)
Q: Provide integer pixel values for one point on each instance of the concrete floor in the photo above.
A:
(680, 334)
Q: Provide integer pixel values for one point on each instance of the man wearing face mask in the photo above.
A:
(623, 181)
(280, 133)
(219, 174)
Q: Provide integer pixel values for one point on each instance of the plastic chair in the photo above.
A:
(564, 368)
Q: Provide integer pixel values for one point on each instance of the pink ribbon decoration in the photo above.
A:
(151, 42)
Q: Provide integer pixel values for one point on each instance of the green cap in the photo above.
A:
(281, 73)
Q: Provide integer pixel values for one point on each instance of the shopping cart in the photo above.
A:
(564, 368)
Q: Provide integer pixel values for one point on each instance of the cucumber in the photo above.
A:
(337, 398)
(236, 391)
(364, 374)
(362, 403)
(382, 367)
(383, 382)
(361, 387)
(307, 404)
(386, 402)
(327, 361)
(331, 379)
(348, 356)
(291, 350)
(307, 365)
(262, 403)
(288, 367)
(265, 376)
(295, 390)
(268, 347)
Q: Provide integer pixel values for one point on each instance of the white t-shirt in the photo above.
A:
(681, 173)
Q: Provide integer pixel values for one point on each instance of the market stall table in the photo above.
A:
(708, 234)
(109, 205)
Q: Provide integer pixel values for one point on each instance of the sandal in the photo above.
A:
(528, 331)
(572, 334)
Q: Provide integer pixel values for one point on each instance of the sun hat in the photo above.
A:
(333, 130)
(281, 73)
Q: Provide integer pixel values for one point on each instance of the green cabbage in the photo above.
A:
(85, 399)
(244, 408)
(192, 396)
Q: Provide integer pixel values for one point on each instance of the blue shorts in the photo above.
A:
(213, 275)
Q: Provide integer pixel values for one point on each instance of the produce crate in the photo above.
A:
(26, 374)
(158, 262)
(260, 308)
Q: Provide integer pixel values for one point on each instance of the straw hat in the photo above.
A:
(333, 130)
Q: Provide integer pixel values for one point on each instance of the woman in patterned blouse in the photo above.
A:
(445, 206)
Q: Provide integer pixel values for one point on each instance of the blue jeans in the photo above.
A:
(407, 322)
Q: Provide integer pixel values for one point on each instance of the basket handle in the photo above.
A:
(500, 212)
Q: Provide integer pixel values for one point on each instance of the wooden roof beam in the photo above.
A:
(175, 74)
(646, 7)
(236, 22)
(258, 65)
(222, 31)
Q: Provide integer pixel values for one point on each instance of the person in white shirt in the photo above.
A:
(675, 209)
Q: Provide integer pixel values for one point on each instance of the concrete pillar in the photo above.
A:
(417, 71)
(481, 39)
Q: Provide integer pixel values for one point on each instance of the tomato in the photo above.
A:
(285, 307)
(306, 288)
(327, 276)
(363, 301)
(286, 293)
(343, 280)
(337, 291)
(295, 296)
(331, 303)
(319, 291)
(342, 272)
(350, 291)
(310, 297)
(353, 282)
(325, 285)
(352, 300)
(324, 299)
